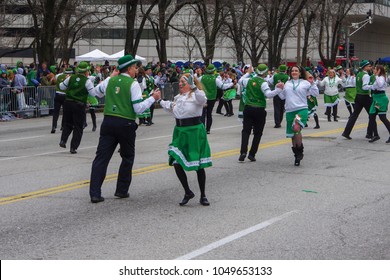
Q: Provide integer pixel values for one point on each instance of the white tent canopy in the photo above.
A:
(121, 53)
(95, 55)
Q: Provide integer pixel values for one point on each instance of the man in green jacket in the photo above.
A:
(123, 101)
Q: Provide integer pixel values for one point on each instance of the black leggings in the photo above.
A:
(181, 174)
(372, 122)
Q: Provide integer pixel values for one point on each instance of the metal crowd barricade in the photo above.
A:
(169, 90)
(45, 100)
(18, 101)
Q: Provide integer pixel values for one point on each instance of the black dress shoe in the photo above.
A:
(220, 113)
(346, 136)
(94, 128)
(122, 195)
(186, 198)
(316, 127)
(53, 130)
(277, 126)
(242, 157)
(208, 131)
(251, 158)
(368, 136)
(95, 199)
(204, 201)
(73, 151)
(373, 139)
(62, 144)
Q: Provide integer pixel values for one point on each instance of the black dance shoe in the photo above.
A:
(62, 144)
(122, 195)
(204, 201)
(251, 158)
(346, 136)
(242, 157)
(95, 199)
(186, 198)
(73, 151)
(373, 139)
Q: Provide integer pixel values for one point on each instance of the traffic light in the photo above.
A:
(342, 50)
(351, 49)
(369, 16)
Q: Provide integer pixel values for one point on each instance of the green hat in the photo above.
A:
(68, 71)
(338, 67)
(262, 69)
(364, 63)
(210, 69)
(83, 67)
(173, 65)
(53, 69)
(282, 68)
(147, 67)
(307, 68)
(126, 61)
(234, 65)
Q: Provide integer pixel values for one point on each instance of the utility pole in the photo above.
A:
(299, 39)
(358, 26)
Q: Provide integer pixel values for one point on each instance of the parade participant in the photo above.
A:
(241, 105)
(278, 103)
(150, 86)
(92, 104)
(295, 93)
(312, 103)
(380, 102)
(230, 93)
(362, 100)
(77, 86)
(189, 149)
(331, 93)
(257, 90)
(59, 99)
(144, 117)
(123, 100)
(210, 85)
(350, 90)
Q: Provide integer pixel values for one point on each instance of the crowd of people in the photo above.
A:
(131, 91)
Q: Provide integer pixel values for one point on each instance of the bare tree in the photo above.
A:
(331, 21)
(309, 14)
(279, 15)
(78, 23)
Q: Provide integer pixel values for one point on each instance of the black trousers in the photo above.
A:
(207, 114)
(361, 101)
(221, 101)
(114, 131)
(74, 118)
(278, 110)
(254, 118)
(59, 100)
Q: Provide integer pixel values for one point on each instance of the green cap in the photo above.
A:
(364, 63)
(262, 69)
(210, 69)
(126, 61)
(282, 68)
(83, 67)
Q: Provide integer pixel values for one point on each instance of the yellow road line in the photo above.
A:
(152, 168)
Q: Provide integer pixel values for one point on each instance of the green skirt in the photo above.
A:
(379, 103)
(312, 103)
(290, 117)
(145, 114)
(190, 147)
(330, 101)
(350, 95)
(229, 94)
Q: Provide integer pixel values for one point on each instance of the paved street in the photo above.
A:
(336, 205)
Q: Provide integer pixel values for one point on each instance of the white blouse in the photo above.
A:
(295, 93)
(183, 106)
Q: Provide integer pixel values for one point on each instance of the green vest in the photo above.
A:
(209, 86)
(283, 77)
(359, 84)
(118, 98)
(76, 88)
(254, 96)
(60, 79)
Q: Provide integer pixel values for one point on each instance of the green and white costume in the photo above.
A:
(331, 93)
(189, 146)
(350, 89)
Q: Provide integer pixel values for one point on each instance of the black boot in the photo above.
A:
(335, 113)
(317, 122)
(148, 121)
(298, 153)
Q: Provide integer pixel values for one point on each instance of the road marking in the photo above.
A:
(24, 138)
(151, 168)
(234, 237)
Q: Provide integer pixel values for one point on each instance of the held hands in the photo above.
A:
(156, 94)
(280, 85)
(190, 80)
